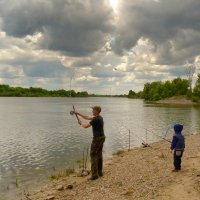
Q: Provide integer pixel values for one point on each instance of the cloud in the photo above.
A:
(45, 69)
(9, 72)
(172, 26)
(105, 71)
(76, 28)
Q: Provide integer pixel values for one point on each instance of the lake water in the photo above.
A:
(38, 135)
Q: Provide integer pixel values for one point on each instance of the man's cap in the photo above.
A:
(97, 108)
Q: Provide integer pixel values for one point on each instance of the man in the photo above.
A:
(97, 142)
(178, 145)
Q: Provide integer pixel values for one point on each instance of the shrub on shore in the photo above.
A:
(62, 174)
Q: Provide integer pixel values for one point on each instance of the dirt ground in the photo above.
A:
(140, 174)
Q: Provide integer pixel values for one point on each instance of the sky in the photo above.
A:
(99, 46)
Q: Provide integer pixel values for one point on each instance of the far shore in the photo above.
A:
(139, 174)
(177, 101)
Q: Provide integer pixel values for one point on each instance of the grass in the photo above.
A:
(62, 174)
(80, 162)
(16, 182)
(119, 152)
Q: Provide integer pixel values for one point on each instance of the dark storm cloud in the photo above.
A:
(178, 71)
(20, 61)
(172, 25)
(7, 74)
(44, 69)
(32, 68)
(75, 27)
(83, 62)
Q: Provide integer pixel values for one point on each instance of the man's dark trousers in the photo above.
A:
(97, 156)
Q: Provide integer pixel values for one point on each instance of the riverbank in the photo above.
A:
(177, 100)
(142, 173)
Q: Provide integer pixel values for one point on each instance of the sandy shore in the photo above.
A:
(142, 173)
(176, 100)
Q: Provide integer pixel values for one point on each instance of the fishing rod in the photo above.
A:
(167, 131)
(161, 136)
(74, 112)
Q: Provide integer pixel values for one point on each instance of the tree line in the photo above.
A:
(6, 90)
(153, 91)
(157, 90)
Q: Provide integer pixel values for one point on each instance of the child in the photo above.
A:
(178, 145)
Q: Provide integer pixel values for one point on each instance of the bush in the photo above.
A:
(119, 152)
(195, 99)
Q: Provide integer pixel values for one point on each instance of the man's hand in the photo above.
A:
(83, 116)
(83, 124)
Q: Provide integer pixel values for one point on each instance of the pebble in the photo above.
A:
(50, 198)
(69, 187)
(60, 187)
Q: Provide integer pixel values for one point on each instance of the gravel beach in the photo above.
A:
(141, 173)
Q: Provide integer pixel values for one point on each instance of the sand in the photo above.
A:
(176, 101)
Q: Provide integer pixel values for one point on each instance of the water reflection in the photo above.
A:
(38, 135)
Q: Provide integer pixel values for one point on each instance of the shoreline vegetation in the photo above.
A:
(176, 91)
(140, 174)
(8, 91)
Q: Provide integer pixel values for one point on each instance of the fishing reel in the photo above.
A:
(72, 112)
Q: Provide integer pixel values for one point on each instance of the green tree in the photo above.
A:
(196, 90)
(132, 94)
(180, 86)
(146, 91)
(158, 90)
(6, 90)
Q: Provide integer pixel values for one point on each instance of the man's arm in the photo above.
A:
(84, 116)
(83, 124)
